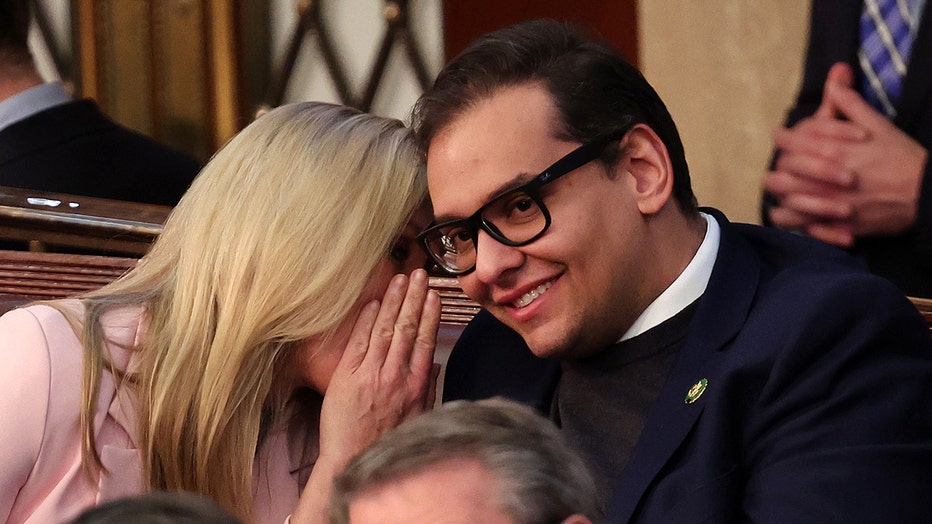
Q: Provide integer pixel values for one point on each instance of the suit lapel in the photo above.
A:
(720, 315)
(917, 86)
(843, 33)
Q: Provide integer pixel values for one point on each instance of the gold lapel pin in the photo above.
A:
(696, 391)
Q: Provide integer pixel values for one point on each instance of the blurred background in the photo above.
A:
(191, 73)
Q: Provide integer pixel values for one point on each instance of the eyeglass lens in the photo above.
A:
(513, 218)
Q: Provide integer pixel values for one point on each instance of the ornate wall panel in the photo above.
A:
(728, 70)
(193, 72)
(378, 55)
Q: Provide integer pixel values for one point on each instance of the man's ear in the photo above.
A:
(576, 519)
(645, 158)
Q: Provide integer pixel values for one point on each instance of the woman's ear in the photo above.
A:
(645, 158)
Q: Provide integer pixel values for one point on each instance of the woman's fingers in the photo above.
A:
(408, 329)
(358, 344)
(422, 371)
(400, 333)
(422, 352)
(387, 373)
(384, 329)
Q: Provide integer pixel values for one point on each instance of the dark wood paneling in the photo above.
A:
(614, 20)
(172, 69)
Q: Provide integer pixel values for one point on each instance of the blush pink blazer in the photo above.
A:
(42, 479)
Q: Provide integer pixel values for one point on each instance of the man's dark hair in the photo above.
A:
(14, 32)
(596, 91)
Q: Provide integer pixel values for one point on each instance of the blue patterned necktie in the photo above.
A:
(887, 28)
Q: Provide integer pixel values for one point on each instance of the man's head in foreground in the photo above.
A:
(491, 461)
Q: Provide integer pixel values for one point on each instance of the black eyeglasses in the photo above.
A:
(514, 218)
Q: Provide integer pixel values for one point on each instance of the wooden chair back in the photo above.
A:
(124, 230)
(924, 305)
(51, 221)
(26, 276)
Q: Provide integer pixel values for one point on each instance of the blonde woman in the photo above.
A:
(260, 344)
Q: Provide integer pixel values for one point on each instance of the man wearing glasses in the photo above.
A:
(709, 371)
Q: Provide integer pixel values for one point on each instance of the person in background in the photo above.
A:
(491, 461)
(50, 142)
(851, 164)
(709, 371)
(269, 334)
(158, 508)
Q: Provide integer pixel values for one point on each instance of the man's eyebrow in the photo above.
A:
(508, 185)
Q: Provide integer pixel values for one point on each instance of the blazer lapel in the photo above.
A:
(917, 86)
(721, 313)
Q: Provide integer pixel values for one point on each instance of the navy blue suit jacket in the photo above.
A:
(819, 399)
(74, 149)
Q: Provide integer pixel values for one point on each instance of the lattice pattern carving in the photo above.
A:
(311, 24)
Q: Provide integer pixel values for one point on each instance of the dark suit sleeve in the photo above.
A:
(74, 148)
(833, 38)
(916, 120)
(490, 359)
(842, 428)
(922, 232)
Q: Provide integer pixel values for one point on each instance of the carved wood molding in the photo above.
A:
(312, 25)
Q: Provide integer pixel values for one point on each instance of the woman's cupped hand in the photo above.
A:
(387, 372)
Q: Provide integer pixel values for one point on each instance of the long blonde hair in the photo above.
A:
(270, 246)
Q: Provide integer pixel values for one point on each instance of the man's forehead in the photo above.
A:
(458, 191)
(498, 143)
(513, 106)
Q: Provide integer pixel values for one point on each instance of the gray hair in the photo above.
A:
(543, 478)
(159, 507)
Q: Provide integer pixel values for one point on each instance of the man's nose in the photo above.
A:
(494, 258)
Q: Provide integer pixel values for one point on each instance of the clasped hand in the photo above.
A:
(846, 171)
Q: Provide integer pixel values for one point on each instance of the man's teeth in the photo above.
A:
(532, 295)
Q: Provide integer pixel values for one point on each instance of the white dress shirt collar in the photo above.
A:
(687, 287)
(31, 101)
